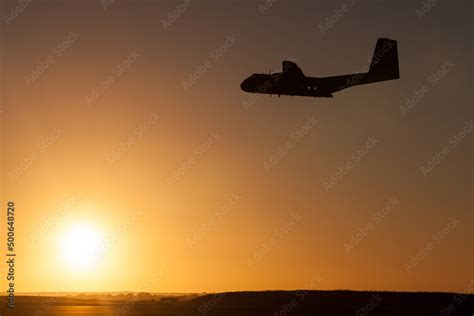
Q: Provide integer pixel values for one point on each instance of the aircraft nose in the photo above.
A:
(245, 85)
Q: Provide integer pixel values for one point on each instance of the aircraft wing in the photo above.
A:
(291, 70)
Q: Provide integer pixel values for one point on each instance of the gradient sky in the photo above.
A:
(69, 141)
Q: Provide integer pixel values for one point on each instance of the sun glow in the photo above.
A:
(82, 247)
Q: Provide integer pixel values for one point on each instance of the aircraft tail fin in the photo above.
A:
(384, 64)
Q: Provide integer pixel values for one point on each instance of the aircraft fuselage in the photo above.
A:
(278, 84)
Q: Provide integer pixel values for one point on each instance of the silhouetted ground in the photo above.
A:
(272, 303)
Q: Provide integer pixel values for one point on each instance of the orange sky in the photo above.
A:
(192, 179)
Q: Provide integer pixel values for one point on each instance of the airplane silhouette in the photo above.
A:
(292, 81)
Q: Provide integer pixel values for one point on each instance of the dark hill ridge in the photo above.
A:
(271, 303)
(357, 303)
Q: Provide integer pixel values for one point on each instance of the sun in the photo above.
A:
(82, 246)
